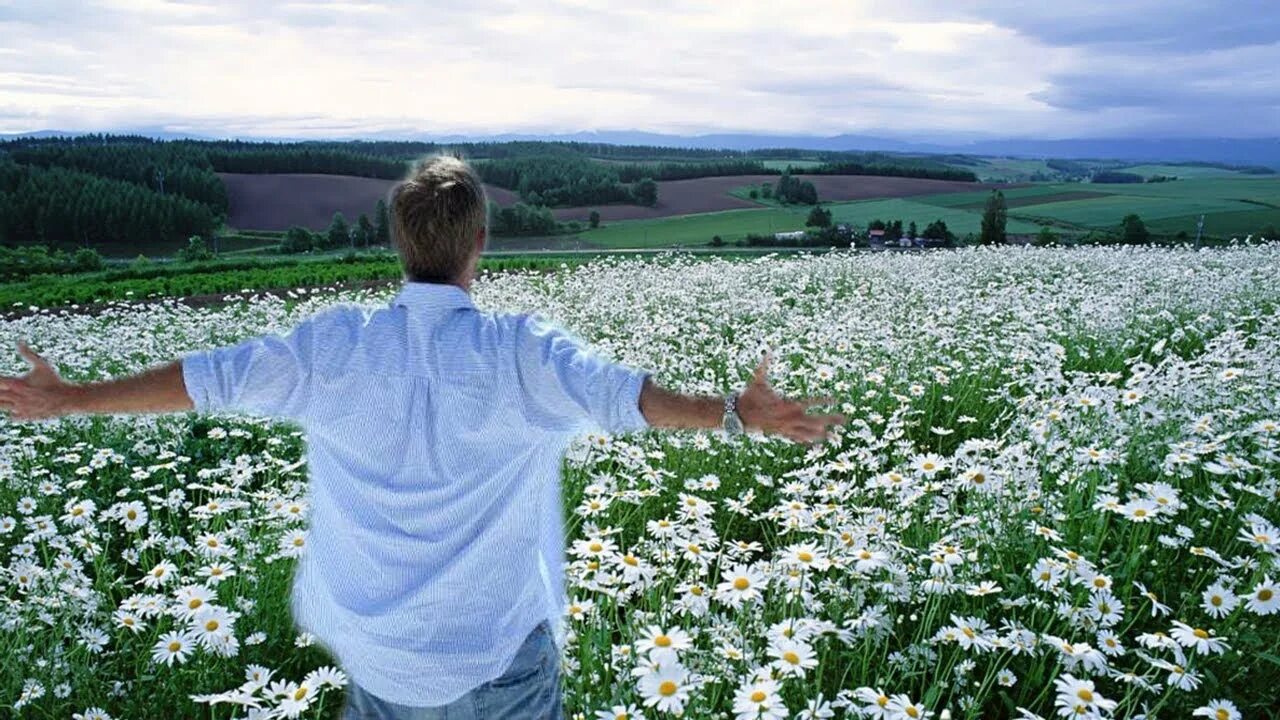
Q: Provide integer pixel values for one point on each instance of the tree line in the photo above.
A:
(60, 206)
(565, 181)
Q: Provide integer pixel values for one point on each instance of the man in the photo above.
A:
(435, 435)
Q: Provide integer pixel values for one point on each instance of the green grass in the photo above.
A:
(1180, 171)
(782, 164)
(695, 229)
(959, 221)
(1007, 169)
(1233, 205)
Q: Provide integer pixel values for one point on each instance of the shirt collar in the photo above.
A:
(442, 296)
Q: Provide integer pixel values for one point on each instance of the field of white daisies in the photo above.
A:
(1056, 495)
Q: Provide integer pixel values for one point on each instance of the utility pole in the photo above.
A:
(1199, 231)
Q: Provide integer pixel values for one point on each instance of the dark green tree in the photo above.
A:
(1046, 236)
(364, 231)
(195, 251)
(911, 229)
(339, 232)
(1133, 231)
(995, 217)
(594, 219)
(646, 192)
(296, 240)
(381, 225)
(819, 217)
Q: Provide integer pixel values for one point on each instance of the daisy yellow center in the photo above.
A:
(194, 603)
(1099, 582)
(693, 548)
(1221, 714)
(865, 555)
(696, 590)
(969, 633)
(667, 688)
(216, 571)
(621, 716)
(1046, 575)
(1265, 594)
(1140, 512)
(595, 547)
(1085, 694)
(211, 625)
(175, 646)
(128, 621)
(911, 711)
(758, 696)
(662, 641)
(132, 515)
(743, 583)
(1200, 634)
(928, 466)
(979, 478)
(882, 701)
(593, 565)
(631, 560)
(300, 693)
(804, 556)
(297, 542)
(791, 657)
(1216, 600)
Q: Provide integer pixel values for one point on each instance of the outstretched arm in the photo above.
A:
(42, 394)
(759, 407)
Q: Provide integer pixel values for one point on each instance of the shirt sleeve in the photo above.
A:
(268, 375)
(570, 387)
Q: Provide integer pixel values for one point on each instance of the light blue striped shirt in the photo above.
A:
(435, 434)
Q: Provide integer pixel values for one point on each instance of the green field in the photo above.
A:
(1180, 171)
(695, 229)
(1234, 205)
(959, 221)
(782, 164)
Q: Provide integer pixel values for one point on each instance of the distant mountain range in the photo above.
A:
(1236, 151)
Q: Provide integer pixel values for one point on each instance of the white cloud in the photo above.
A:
(318, 68)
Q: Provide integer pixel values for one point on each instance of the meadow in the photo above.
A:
(1233, 206)
(1056, 495)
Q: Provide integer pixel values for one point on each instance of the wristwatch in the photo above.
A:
(732, 422)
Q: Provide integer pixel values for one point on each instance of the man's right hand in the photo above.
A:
(763, 409)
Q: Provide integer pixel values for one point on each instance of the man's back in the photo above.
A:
(435, 436)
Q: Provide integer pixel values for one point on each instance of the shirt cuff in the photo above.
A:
(196, 376)
(629, 417)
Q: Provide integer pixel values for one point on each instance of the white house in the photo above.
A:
(796, 235)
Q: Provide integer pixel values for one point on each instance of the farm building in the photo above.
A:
(796, 235)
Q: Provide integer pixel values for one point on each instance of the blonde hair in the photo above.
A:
(436, 214)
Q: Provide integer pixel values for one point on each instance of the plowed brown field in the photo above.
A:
(279, 201)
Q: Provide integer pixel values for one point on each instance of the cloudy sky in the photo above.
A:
(917, 69)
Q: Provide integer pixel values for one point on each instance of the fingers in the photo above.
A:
(761, 374)
(29, 355)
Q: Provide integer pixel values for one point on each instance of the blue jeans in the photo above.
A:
(529, 689)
